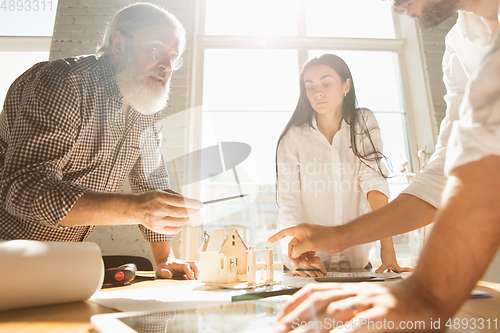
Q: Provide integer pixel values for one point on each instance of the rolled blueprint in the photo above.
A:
(36, 273)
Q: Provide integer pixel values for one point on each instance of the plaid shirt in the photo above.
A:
(63, 133)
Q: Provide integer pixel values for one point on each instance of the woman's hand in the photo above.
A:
(388, 256)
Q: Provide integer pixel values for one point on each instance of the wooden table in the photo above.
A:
(486, 308)
(75, 317)
(60, 318)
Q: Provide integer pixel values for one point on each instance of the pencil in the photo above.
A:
(308, 270)
(224, 199)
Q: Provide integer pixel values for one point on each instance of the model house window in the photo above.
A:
(248, 61)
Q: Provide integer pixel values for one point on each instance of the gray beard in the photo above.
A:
(137, 88)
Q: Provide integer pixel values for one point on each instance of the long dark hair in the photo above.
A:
(351, 113)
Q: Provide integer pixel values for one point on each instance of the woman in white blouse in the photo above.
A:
(329, 168)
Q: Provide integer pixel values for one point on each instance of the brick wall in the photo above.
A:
(434, 46)
(78, 30)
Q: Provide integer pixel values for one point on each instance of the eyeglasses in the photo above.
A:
(160, 54)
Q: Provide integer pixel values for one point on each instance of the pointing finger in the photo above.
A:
(289, 231)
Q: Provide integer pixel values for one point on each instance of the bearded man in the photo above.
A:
(73, 129)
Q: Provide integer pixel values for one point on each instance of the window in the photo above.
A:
(247, 73)
(33, 18)
(25, 36)
(17, 55)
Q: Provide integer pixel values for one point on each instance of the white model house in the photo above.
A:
(226, 259)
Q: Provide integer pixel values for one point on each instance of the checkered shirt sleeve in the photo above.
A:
(40, 139)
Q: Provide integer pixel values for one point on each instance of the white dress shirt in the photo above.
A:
(326, 184)
(477, 133)
(466, 44)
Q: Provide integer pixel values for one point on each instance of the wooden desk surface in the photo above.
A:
(486, 308)
(75, 317)
(60, 318)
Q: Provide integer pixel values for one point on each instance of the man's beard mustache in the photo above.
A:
(137, 88)
(433, 13)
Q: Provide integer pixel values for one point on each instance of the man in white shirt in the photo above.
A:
(466, 234)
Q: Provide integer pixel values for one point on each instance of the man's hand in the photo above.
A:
(163, 211)
(327, 304)
(167, 266)
(309, 238)
(178, 267)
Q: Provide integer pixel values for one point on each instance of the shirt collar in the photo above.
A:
(473, 26)
(315, 124)
(317, 132)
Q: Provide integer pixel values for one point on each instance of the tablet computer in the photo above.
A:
(364, 276)
(245, 316)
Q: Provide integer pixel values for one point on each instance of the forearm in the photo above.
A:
(161, 211)
(96, 208)
(465, 238)
(386, 244)
(161, 252)
(378, 200)
(403, 214)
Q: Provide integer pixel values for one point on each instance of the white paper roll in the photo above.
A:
(36, 273)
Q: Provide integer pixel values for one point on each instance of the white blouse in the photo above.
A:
(326, 184)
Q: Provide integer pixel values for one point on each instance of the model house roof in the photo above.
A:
(219, 237)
